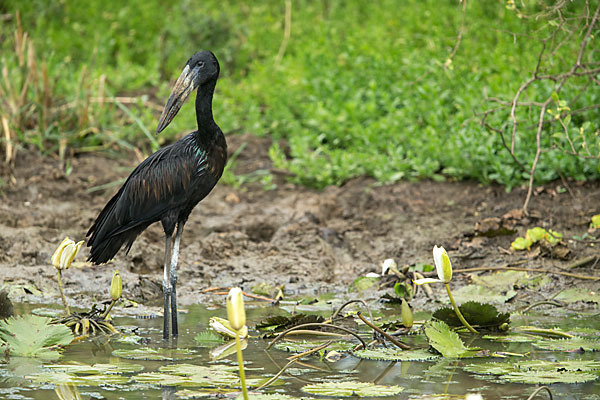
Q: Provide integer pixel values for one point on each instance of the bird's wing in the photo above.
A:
(158, 184)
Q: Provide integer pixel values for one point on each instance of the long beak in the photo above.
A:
(181, 91)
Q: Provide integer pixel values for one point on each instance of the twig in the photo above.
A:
(335, 314)
(583, 261)
(540, 303)
(315, 324)
(383, 333)
(536, 391)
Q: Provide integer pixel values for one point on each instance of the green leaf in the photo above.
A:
(482, 315)
(351, 389)
(34, 336)
(146, 353)
(115, 367)
(444, 340)
(362, 283)
(573, 344)
(482, 294)
(208, 338)
(573, 295)
(305, 345)
(387, 354)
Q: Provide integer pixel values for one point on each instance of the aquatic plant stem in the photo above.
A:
(110, 306)
(458, 313)
(240, 359)
(62, 293)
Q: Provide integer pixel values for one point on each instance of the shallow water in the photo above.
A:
(418, 378)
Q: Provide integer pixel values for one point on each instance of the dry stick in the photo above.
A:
(583, 261)
(539, 303)
(292, 361)
(315, 324)
(384, 334)
(578, 276)
(287, 30)
(539, 390)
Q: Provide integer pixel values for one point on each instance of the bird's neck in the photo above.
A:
(207, 127)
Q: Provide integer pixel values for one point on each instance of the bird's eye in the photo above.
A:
(200, 64)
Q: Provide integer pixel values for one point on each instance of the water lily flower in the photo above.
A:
(389, 265)
(224, 328)
(116, 286)
(65, 253)
(443, 267)
(236, 314)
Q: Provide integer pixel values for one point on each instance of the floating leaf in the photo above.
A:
(208, 338)
(444, 340)
(482, 315)
(115, 367)
(305, 345)
(33, 336)
(280, 323)
(222, 376)
(387, 354)
(540, 371)
(58, 378)
(351, 389)
(146, 353)
(362, 283)
(572, 344)
(481, 293)
(573, 295)
(511, 338)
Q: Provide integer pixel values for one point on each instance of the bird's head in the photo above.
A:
(200, 69)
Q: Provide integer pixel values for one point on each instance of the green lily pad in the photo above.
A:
(511, 338)
(305, 345)
(363, 283)
(351, 389)
(118, 368)
(540, 371)
(280, 323)
(574, 344)
(58, 378)
(221, 376)
(147, 353)
(33, 336)
(384, 354)
(274, 396)
(479, 314)
(208, 338)
(574, 295)
(446, 341)
(481, 293)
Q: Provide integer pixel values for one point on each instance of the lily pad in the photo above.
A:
(208, 338)
(118, 367)
(146, 353)
(305, 345)
(511, 338)
(479, 314)
(446, 341)
(540, 371)
(280, 323)
(351, 389)
(574, 295)
(34, 336)
(481, 293)
(58, 378)
(363, 283)
(574, 344)
(386, 354)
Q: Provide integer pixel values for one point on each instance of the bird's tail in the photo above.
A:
(108, 234)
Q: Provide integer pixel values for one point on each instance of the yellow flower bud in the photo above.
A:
(116, 286)
(235, 309)
(406, 314)
(443, 265)
(65, 253)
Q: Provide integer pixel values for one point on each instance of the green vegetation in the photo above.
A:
(362, 88)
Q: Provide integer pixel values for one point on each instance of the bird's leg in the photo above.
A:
(167, 286)
(173, 277)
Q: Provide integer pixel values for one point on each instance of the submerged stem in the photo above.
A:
(240, 359)
(458, 313)
(62, 293)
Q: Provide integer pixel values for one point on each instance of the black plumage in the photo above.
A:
(168, 184)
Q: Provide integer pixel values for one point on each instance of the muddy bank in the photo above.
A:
(310, 241)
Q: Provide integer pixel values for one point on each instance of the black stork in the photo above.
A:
(167, 185)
